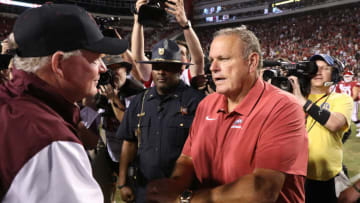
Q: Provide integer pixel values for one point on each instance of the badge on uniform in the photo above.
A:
(161, 51)
(183, 111)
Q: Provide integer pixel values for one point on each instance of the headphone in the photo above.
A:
(338, 67)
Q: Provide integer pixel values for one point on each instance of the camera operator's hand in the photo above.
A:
(296, 90)
(5, 46)
(199, 82)
(127, 195)
(108, 91)
(176, 8)
(139, 3)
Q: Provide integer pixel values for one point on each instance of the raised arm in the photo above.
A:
(137, 45)
(176, 8)
(128, 57)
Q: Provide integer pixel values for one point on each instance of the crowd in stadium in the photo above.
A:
(296, 38)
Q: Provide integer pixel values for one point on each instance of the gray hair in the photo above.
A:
(250, 41)
(33, 64)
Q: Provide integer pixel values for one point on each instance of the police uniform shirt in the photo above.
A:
(164, 125)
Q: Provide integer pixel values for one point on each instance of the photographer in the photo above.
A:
(328, 116)
(176, 8)
(112, 100)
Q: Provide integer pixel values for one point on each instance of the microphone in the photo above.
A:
(327, 84)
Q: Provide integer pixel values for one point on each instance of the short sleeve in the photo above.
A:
(283, 146)
(344, 105)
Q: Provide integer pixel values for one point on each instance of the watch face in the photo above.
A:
(186, 195)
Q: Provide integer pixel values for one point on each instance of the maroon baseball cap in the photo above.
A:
(59, 27)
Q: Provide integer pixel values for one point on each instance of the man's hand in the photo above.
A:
(350, 195)
(176, 8)
(127, 194)
(138, 4)
(108, 91)
(199, 82)
(163, 191)
(296, 90)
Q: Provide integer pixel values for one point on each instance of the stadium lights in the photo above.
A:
(284, 2)
(19, 3)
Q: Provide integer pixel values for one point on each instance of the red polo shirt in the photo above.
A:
(266, 130)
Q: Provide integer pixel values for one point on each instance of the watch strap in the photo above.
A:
(187, 26)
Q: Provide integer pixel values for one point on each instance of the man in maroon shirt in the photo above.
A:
(57, 62)
(248, 141)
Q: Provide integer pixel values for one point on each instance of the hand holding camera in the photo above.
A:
(154, 12)
(138, 4)
(176, 8)
(108, 91)
(296, 90)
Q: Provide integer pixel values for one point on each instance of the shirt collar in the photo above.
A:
(25, 83)
(248, 103)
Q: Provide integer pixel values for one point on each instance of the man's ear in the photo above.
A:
(253, 61)
(56, 64)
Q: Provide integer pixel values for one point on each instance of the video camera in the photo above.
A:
(303, 70)
(106, 78)
(153, 14)
(130, 87)
(204, 80)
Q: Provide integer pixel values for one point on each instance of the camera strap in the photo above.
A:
(139, 115)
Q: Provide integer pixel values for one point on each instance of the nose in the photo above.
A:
(214, 66)
(102, 66)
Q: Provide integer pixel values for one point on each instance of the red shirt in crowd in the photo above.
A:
(347, 87)
(266, 130)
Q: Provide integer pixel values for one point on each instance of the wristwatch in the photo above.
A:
(186, 196)
(187, 26)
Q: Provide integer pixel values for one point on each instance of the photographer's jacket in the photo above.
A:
(41, 158)
(164, 125)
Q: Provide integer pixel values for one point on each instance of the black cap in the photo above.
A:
(166, 51)
(59, 27)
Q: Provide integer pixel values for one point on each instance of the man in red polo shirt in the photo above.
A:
(248, 141)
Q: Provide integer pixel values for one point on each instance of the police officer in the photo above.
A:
(157, 122)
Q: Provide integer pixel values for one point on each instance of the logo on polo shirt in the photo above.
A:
(237, 123)
(210, 119)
